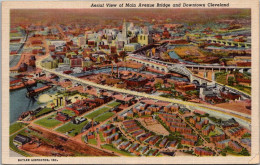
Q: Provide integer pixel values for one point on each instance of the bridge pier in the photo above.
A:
(241, 70)
(213, 76)
(191, 79)
(205, 75)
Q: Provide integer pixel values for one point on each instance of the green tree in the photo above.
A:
(158, 85)
(231, 81)
(244, 152)
(192, 92)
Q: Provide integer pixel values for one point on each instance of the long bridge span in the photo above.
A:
(183, 70)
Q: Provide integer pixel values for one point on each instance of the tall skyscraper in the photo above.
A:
(124, 30)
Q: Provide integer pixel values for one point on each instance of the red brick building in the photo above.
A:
(124, 145)
(105, 127)
(36, 42)
(222, 144)
(121, 117)
(201, 124)
(180, 129)
(191, 136)
(173, 143)
(173, 108)
(145, 136)
(147, 112)
(139, 132)
(91, 135)
(134, 147)
(132, 129)
(188, 142)
(230, 95)
(203, 152)
(141, 113)
(166, 34)
(217, 138)
(234, 146)
(237, 131)
(76, 62)
(130, 114)
(163, 142)
(187, 87)
(153, 140)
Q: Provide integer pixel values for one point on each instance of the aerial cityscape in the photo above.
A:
(130, 82)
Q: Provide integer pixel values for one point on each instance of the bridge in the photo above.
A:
(151, 62)
(219, 68)
(229, 43)
(160, 66)
(182, 69)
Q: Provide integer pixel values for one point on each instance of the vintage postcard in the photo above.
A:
(130, 82)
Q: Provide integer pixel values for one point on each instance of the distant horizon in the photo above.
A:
(67, 16)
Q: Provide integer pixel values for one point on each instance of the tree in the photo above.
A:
(231, 81)
(158, 85)
(180, 146)
(244, 152)
(192, 92)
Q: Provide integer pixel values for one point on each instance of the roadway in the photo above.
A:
(242, 116)
(187, 65)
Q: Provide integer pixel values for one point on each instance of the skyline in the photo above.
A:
(180, 15)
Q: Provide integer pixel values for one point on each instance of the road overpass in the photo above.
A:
(183, 70)
(203, 67)
(229, 43)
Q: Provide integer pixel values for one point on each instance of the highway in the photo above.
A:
(188, 65)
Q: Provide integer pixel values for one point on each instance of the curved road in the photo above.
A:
(246, 118)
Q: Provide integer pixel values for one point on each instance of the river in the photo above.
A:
(19, 103)
(102, 70)
(13, 60)
(173, 55)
